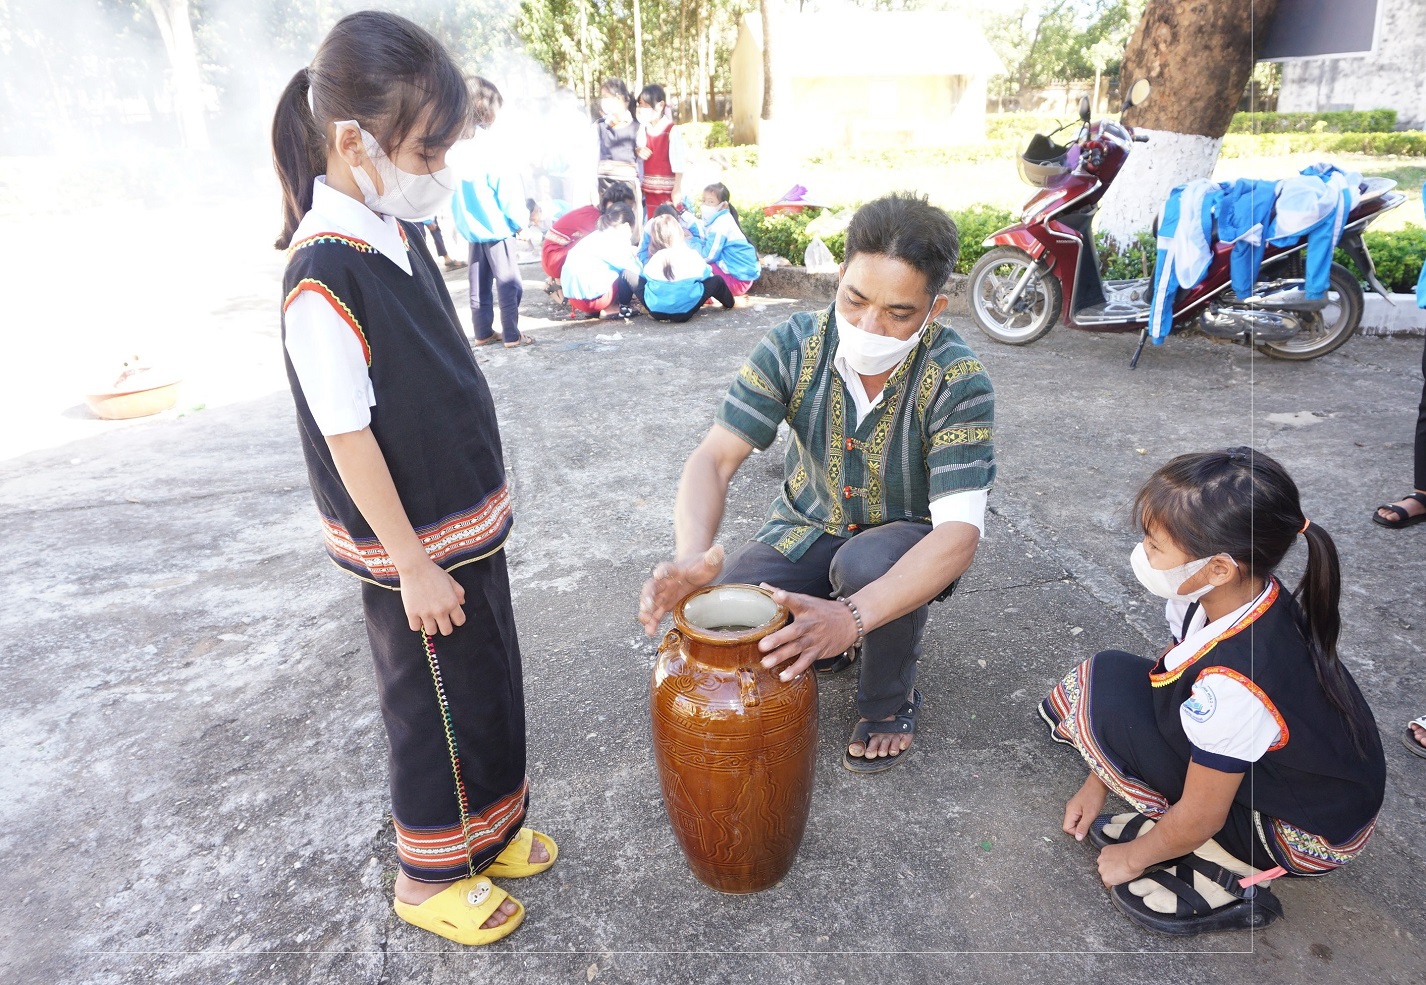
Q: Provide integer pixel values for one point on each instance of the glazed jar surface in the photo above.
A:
(735, 745)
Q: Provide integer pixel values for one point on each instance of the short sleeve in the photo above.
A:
(330, 364)
(757, 401)
(677, 152)
(1230, 722)
(960, 430)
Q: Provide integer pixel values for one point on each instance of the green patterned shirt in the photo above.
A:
(930, 436)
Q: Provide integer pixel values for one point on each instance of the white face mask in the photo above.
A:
(869, 354)
(405, 195)
(1166, 582)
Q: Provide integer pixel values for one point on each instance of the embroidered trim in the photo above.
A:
(435, 849)
(1165, 678)
(1257, 692)
(750, 375)
(810, 350)
(340, 306)
(1305, 854)
(361, 246)
(470, 530)
(970, 435)
(1069, 704)
(660, 184)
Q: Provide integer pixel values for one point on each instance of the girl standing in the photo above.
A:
(724, 245)
(490, 210)
(1247, 745)
(385, 385)
(617, 132)
(661, 149)
(676, 280)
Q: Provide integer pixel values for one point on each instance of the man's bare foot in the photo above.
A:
(880, 744)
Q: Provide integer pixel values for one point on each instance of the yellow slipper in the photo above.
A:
(457, 912)
(514, 862)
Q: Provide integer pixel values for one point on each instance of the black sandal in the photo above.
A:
(903, 724)
(839, 663)
(1403, 518)
(1251, 909)
(1131, 830)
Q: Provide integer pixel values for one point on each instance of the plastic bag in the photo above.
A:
(818, 259)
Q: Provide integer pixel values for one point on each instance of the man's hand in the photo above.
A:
(432, 598)
(672, 581)
(1084, 807)
(820, 628)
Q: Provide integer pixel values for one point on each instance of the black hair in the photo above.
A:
(620, 88)
(721, 192)
(666, 209)
(908, 228)
(531, 204)
(379, 69)
(652, 94)
(1242, 503)
(616, 191)
(615, 214)
(485, 100)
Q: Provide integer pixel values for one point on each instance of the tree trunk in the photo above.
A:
(768, 102)
(177, 32)
(638, 48)
(1198, 55)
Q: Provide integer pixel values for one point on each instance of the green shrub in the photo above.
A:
(1397, 255)
(1128, 262)
(1368, 121)
(710, 133)
(786, 235)
(1409, 143)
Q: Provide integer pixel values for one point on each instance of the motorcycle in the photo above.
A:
(1046, 266)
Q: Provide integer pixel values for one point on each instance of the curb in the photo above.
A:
(1401, 317)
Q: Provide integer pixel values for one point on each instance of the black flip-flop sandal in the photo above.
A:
(1403, 518)
(1408, 739)
(837, 664)
(1252, 908)
(1131, 830)
(903, 724)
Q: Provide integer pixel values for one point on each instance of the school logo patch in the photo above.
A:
(1201, 704)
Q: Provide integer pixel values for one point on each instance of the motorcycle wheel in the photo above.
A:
(1329, 328)
(1036, 310)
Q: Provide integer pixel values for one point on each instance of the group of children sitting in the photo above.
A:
(681, 263)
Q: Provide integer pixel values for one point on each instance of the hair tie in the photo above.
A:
(1305, 524)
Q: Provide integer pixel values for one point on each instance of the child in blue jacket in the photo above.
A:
(724, 245)
(676, 279)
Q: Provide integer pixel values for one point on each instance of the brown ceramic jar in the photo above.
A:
(734, 744)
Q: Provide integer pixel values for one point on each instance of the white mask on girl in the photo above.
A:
(870, 354)
(1166, 582)
(405, 195)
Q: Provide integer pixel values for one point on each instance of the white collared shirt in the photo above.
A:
(325, 354)
(963, 507)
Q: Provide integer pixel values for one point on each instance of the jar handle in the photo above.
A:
(671, 639)
(749, 682)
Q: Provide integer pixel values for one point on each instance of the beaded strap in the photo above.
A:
(449, 726)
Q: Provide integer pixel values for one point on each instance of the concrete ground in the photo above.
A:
(193, 784)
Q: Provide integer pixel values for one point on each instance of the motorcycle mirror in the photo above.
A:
(1084, 108)
(1138, 92)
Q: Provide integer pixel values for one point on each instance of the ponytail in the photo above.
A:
(298, 152)
(1318, 596)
